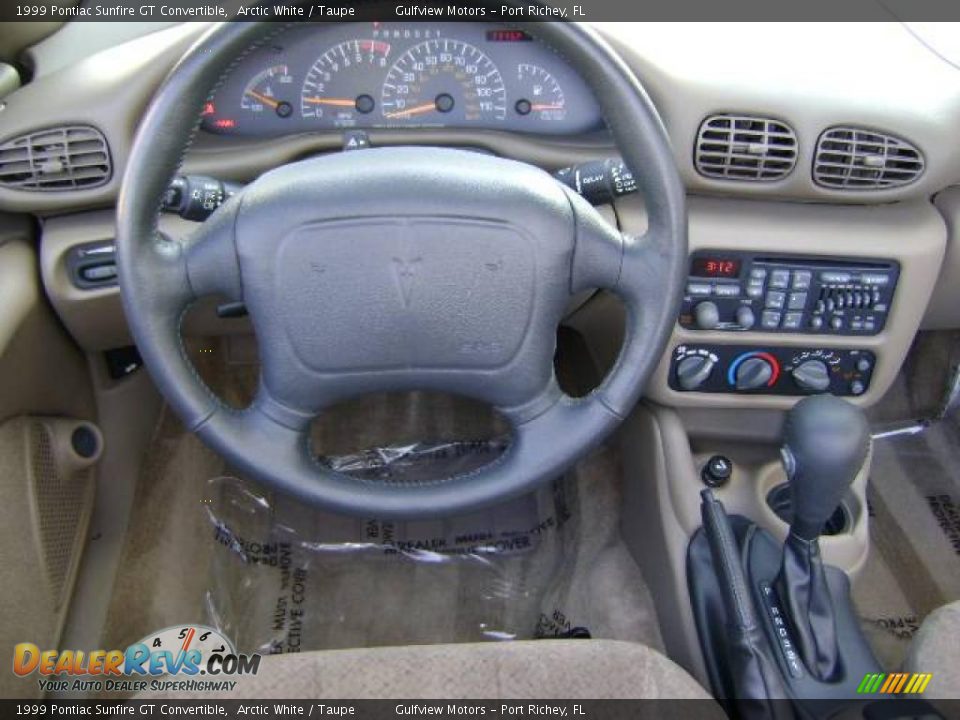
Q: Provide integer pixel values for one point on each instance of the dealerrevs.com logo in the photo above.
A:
(200, 656)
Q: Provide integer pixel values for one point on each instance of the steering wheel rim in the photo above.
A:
(563, 246)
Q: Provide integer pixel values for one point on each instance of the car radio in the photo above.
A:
(792, 294)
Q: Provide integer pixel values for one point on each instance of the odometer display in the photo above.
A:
(443, 81)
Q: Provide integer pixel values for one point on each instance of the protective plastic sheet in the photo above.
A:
(286, 578)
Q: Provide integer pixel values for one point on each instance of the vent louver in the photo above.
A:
(854, 159)
(742, 147)
(64, 158)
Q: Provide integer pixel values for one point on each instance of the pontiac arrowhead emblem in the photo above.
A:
(404, 270)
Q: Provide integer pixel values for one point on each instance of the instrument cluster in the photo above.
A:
(402, 75)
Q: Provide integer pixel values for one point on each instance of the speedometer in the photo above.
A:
(443, 81)
(339, 87)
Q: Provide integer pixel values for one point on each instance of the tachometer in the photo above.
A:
(268, 91)
(541, 96)
(443, 80)
(339, 86)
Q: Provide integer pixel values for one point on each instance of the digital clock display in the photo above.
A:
(715, 267)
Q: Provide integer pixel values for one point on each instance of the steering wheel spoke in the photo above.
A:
(211, 254)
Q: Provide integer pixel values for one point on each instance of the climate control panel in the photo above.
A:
(793, 294)
(770, 371)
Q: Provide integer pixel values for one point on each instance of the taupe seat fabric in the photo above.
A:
(560, 669)
(935, 650)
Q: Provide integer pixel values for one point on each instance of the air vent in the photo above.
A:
(740, 147)
(854, 159)
(67, 158)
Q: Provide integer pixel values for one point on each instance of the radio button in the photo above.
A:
(698, 289)
(874, 279)
(834, 277)
(802, 279)
(758, 273)
(792, 321)
(755, 289)
(780, 279)
(725, 290)
(770, 319)
(775, 299)
(798, 301)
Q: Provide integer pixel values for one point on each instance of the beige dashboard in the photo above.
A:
(907, 91)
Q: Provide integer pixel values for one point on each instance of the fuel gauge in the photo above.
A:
(541, 96)
(267, 92)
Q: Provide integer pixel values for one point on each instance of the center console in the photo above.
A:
(802, 306)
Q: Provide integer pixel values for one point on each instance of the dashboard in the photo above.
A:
(400, 75)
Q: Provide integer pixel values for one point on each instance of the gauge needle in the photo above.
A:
(415, 110)
(545, 106)
(337, 102)
(263, 98)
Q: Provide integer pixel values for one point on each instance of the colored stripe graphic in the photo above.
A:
(894, 683)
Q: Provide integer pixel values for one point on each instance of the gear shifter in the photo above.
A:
(825, 444)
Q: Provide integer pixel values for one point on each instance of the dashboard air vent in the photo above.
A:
(741, 147)
(853, 159)
(64, 158)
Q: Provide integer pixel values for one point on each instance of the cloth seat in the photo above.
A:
(545, 669)
(934, 650)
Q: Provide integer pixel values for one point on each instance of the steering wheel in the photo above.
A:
(398, 269)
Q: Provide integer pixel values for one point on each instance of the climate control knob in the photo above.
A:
(693, 371)
(753, 373)
(812, 376)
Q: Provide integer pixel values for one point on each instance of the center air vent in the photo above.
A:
(740, 147)
(66, 158)
(853, 159)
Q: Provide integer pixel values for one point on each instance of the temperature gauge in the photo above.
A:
(266, 92)
(540, 94)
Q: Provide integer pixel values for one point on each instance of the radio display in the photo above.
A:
(715, 267)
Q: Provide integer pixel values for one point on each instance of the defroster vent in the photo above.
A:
(853, 159)
(64, 158)
(742, 147)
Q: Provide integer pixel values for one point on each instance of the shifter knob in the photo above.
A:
(825, 443)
